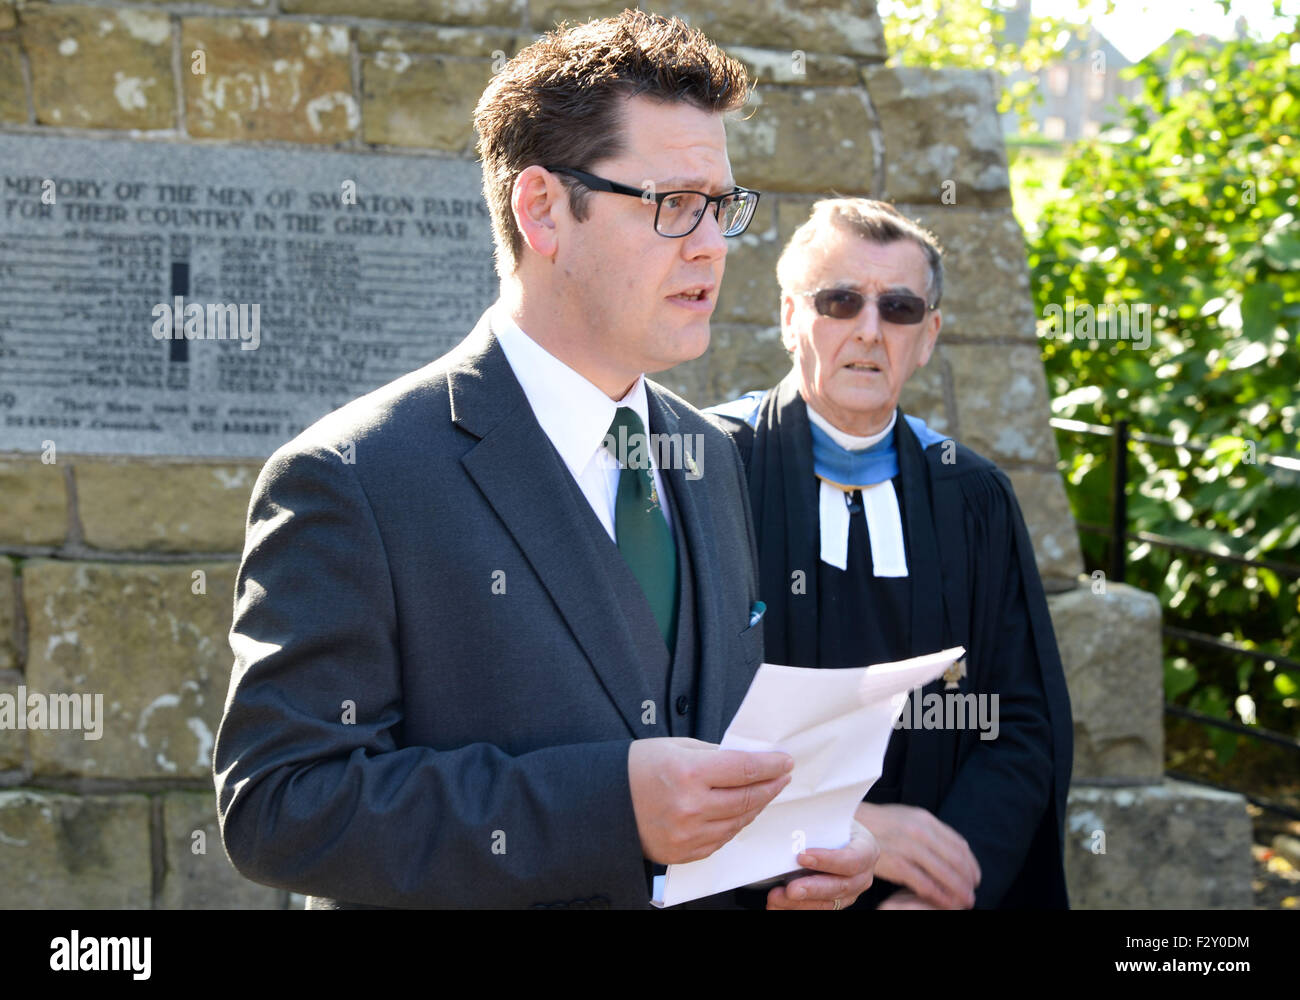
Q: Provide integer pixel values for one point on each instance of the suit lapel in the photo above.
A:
(695, 525)
(523, 478)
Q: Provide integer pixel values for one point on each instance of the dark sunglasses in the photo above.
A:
(844, 303)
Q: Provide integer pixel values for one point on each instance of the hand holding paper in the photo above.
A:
(834, 877)
(690, 797)
(836, 724)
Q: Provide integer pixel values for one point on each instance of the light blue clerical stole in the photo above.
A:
(870, 470)
(841, 471)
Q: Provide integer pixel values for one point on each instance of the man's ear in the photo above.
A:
(535, 201)
(931, 336)
(787, 322)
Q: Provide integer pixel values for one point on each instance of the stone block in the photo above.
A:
(796, 67)
(749, 292)
(35, 506)
(7, 17)
(1051, 526)
(834, 26)
(198, 874)
(739, 358)
(986, 289)
(13, 742)
(810, 139)
(241, 5)
(140, 637)
(545, 14)
(468, 43)
(8, 616)
(427, 102)
(268, 79)
(163, 507)
(942, 134)
(13, 91)
(924, 394)
(1110, 648)
(1172, 846)
(505, 12)
(98, 68)
(71, 852)
(1002, 402)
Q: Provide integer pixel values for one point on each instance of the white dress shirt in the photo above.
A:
(850, 442)
(575, 414)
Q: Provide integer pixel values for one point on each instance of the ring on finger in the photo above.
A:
(837, 903)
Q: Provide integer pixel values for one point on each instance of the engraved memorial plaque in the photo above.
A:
(162, 298)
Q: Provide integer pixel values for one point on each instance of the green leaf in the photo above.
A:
(1224, 742)
(1180, 677)
(1195, 215)
(1282, 250)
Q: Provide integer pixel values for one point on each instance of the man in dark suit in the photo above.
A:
(483, 646)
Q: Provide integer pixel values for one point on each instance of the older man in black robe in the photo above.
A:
(880, 539)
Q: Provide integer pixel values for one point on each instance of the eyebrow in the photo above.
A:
(692, 184)
(853, 286)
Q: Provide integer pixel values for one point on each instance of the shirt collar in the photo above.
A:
(573, 411)
(850, 442)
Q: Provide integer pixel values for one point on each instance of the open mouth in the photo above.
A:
(863, 366)
(693, 295)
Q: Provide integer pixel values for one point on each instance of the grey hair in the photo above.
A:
(874, 221)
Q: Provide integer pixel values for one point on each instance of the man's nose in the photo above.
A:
(706, 241)
(867, 328)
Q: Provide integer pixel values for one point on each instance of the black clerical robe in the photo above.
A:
(972, 582)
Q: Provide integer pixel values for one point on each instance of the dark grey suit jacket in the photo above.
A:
(399, 732)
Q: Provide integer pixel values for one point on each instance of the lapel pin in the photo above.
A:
(954, 674)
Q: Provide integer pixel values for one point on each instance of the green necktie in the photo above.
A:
(639, 523)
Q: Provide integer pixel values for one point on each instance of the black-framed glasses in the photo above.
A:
(901, 308)
(677, 213)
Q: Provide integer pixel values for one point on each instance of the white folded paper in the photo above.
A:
(836, 724)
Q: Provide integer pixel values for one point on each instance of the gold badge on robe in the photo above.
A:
(954, 674)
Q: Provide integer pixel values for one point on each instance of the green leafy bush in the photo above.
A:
(1190, 216)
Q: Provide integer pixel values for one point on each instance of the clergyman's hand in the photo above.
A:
(848, 873)
(691, 797)
(922, 853)
(904, 899)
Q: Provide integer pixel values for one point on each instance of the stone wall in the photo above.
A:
(119, 571)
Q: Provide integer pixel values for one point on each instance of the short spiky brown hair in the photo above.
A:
(559, 101)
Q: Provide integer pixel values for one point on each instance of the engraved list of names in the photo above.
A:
(195, 300)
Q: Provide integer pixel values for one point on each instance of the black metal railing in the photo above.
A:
(1119, 536)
